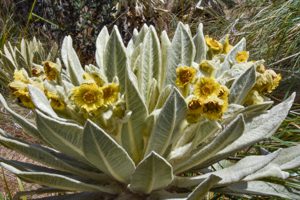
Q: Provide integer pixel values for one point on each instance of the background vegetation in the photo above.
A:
(272, 30)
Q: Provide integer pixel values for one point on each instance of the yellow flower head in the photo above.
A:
(267, 82)
(21, 75)
(87, 96)
(110, 93)
(213, 108)
(20, 90)
(26, 100)
(205, 87)
(261, 68)
(56, 102)
(227, 46)
(185, 75)
(242, 56)
(36, 72)
(195, 106)
(206, 68)
(254, 98)
(51, 70)
(213, 44)
(94, 78)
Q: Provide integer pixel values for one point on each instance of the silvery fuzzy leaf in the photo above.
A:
(139, 38)
(200, 45)
(58, 181)
(181, 52)
(150, 63)
(242, 86)
(180, 152)
(152, 173)
(78, 196)
(132, 138)
(44, 155)
(165, 44)
(233, 131)
(257, 129)
(288, 158)
(153, 95)
(63, 136)
(103, 152)
(101, 42)
(230, 74)
(261, 188)
(134, 56)
(205, 129)
(203, 188)
(165, 93)
(240, 46)
(41, 102)
(169, 117)
(29, 128)
(71, 61)
(115, 58)
(232, 174)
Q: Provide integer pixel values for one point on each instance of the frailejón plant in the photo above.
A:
(157, 119)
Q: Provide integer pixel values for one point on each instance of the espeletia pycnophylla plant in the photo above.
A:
(157, 119)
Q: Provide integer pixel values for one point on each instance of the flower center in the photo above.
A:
(185, 76)
(194, 104)
(89, 97)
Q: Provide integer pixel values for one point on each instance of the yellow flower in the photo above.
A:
(110, 93)
(206, 68)
(254, 98)
(87, 96)
(55, 101)
(185, 75)
(21, 75)
(242, 56)
(214, 107)
(20, 90)
(195, 106)
(261, 68)
(51, 70)
(94, 78)
(213, 44)
(223, 95)
(267, 82)
(205, 87)
(227, 46)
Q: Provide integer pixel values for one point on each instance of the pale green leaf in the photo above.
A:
(181, 52)
(115, 58)
(107, 155)
(200, 45)
(165, 44)
(240, 46)
(58, 181)
(132, 138)
(242, 86)
(101, 42)
(203, 188)
(153, 173)
(233, 131)
(29, 128)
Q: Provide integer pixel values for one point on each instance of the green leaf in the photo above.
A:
(107, 155)
(40, 101)
(139, 38)
(242, 86)
(71, 61)
(29, 128)
(150, 62)
(257, 129)
(200, 45)
(132, 138)
(233, 131)
(169, 117)
(153, 173)
(58, 181)
(261, 188)
(181, 52)
(115, 58)
(203, 188)
(101, 42)
(204, 130)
